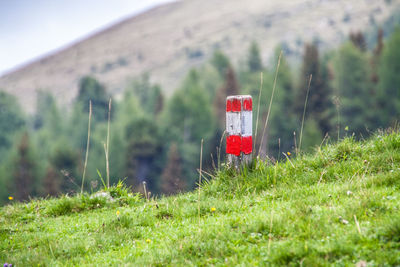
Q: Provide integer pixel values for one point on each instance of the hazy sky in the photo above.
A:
(30, 29)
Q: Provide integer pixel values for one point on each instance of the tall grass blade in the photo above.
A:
(270, 102)
(108, 143)
(145, 191)
(107, 169)
(87, 146)
(258, 109)
(219, 150)
(304, 112)
(102, 180)
(201, 165)
(336, 101)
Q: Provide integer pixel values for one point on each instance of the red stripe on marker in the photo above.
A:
(236, 105)
(228, 105)
(247, 144)
(233, 145)
(248, 104)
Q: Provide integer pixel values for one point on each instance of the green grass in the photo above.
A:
(299, 212)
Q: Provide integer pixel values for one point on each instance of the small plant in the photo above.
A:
(120, 190)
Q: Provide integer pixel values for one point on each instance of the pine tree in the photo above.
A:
(91, 90)
(65, 162)
(143, 147)
(172, 180)
(48, 124)
(376, 57)
(319, 93)
(149, 95)
(309, 67)
(221, 62)
(24, 170)
(389, 81)
(254, 61)
(283, 119)
(187, 120)
(353, 88)
(47, 113)
(51, 182)
(11, 122)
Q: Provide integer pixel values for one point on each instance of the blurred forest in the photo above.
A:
(354, 90)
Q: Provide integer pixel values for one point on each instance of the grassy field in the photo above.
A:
(337, 206)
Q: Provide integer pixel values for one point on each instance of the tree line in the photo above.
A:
(154, 139)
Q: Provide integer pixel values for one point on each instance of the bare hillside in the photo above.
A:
(167, 40)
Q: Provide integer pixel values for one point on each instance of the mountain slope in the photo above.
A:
(167, 40)
(339, 206)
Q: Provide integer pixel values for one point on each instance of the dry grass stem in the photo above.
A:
(108, 144)
(323, 140)
(336, 102)
(279, 146)
(357, 224)
(219, 150)
(258, 109)
(287, 157)
(304, 112)
(87, 146)
(200, 170)
(145, 191)
(270, 102)
(107, 168)
(321, 176)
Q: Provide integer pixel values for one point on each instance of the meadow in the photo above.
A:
(336, 206)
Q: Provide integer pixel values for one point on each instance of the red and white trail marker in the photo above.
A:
(239, 129)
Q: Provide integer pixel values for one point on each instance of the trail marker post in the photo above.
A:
(239, 129)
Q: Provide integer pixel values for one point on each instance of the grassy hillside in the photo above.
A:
(338, 206)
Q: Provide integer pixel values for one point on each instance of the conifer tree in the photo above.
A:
(51, 182)
(319, 93)
(25, 170)
(127, 110)
(188, 119)
(11, 121)
(353, 88)
(283, 118)
(310, 66)
(221, 62)
(376, 55)
(47, 113)
(91, 90)
(254, 61)
(172, 180)
(389, 81)
(143, 147)
(48, 124)
(149, 95)
(65, 162)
